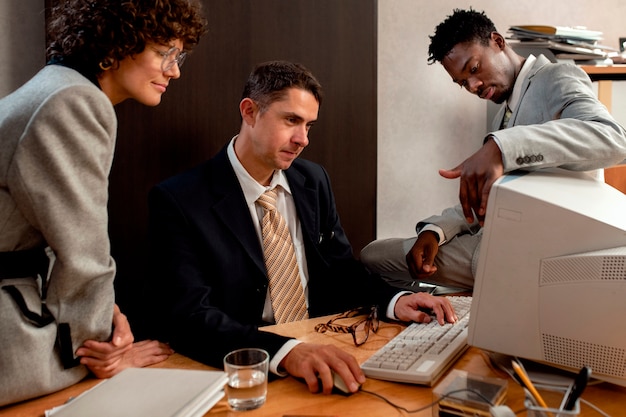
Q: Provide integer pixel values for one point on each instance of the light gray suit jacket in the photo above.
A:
(559, 122)
(57, 134)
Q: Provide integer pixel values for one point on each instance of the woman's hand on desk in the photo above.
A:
(315, 362)
(145, 353)
(409, 308)
(140, 354)
(106, 359)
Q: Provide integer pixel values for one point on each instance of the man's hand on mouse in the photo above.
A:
(314, 363)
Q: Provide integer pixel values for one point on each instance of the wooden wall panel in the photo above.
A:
(199, 113)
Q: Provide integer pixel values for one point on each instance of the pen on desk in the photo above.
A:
(528, 384)
(576, 389)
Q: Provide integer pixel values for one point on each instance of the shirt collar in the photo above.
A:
(252, 190)
(513, 101)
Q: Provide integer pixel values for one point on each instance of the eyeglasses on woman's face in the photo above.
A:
(359, 330)
(172, 56)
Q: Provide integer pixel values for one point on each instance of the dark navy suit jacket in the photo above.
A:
(209, 282)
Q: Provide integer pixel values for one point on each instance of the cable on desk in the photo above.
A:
(595, 407)
(432, 404)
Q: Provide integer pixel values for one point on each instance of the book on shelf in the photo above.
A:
(154, 392)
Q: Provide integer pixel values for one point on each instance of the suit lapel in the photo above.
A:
(305, 199)
(232, 210)
(537, 65)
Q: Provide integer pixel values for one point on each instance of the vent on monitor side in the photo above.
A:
(575, 354)
(608, 264)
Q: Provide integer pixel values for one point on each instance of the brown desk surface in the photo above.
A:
(287, 396)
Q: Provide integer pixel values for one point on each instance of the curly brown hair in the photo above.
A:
(86, 33)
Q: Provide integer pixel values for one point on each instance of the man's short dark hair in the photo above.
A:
(269, 82)
(462, 26)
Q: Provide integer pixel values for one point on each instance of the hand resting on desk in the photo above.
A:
(140, 354)
(106, 359)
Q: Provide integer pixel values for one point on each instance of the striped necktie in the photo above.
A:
(283, 274)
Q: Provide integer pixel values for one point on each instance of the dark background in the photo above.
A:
(335, 39)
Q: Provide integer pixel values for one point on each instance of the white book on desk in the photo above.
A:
(154, 392)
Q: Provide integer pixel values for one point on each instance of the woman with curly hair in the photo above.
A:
(58, 317)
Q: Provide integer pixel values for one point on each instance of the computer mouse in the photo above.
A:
(340, 386)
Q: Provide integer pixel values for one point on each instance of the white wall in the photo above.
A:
(425, 122)
(23, 38)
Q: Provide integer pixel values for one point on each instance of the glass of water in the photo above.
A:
(247, 378)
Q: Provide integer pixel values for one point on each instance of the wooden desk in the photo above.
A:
(288, 396)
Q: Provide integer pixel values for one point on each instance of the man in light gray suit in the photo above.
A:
(550, 117)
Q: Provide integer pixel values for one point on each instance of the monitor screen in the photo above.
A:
(551, 277)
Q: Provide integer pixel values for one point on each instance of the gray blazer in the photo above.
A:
(559, 122)
(57, 135)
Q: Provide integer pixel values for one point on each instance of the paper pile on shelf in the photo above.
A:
(565, 43)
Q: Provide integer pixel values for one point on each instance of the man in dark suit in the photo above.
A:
(211, 279)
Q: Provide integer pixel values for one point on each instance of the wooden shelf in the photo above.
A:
(605, 72)
(605, 75)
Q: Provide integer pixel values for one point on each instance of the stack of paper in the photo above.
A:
(556, 33)
(574, 43)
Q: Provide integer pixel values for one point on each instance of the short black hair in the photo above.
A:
(462, 26)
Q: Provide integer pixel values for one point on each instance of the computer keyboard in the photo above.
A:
(422, 352)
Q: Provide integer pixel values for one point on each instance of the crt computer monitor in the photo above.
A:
(551, 277)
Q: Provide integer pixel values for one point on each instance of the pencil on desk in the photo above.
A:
(528, 384)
